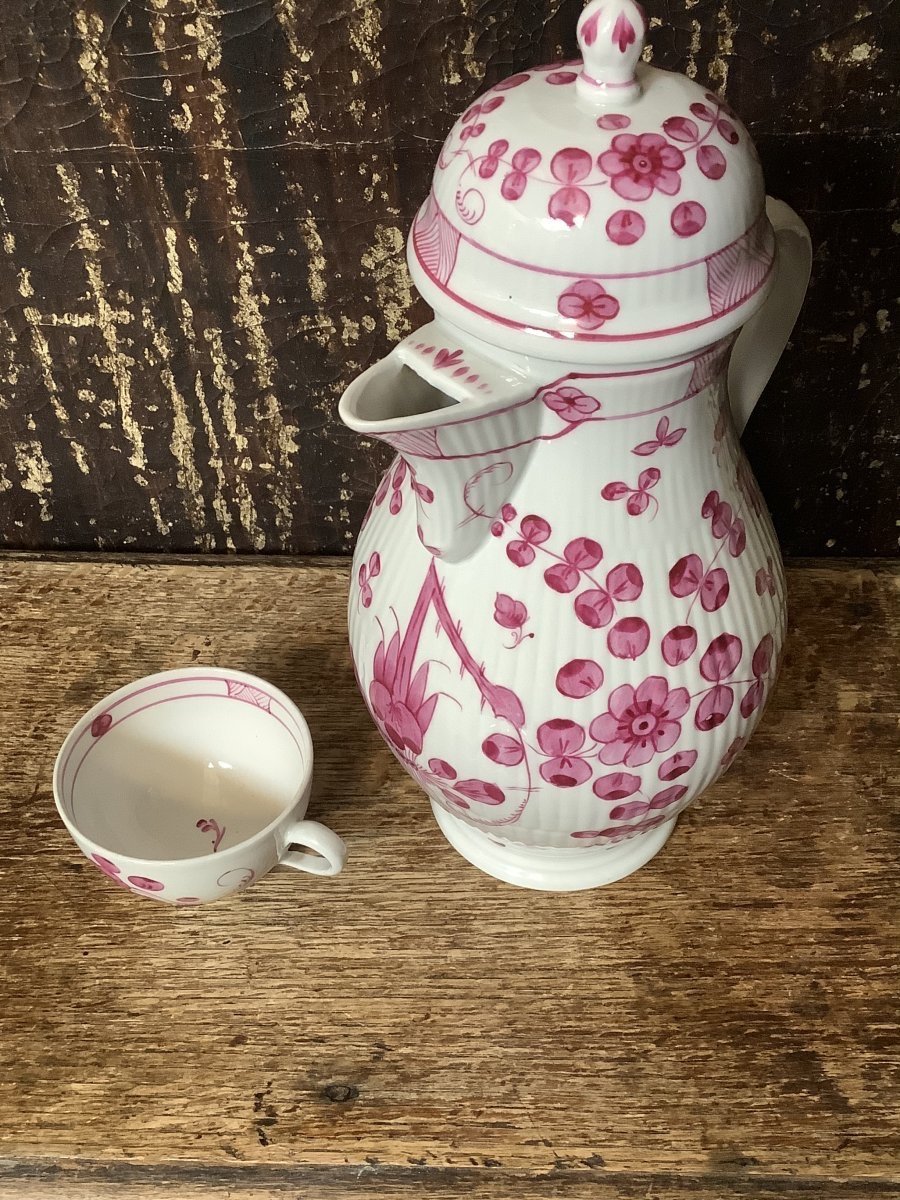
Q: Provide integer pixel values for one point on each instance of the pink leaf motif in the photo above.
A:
(613, 121)
(513, 185)
(416, 694)
(709, 505)
(579, 678)
(583, 553)
(762, 656)
(506, 704)
(728, 131)
(711, 161)
(441, 768)
(714, 708)
(571, 205)
(737, 538)
(615, 491)
(625, 582)
(618, 786)
(679, 645)
(628, 638)
(637, 503)
(519, 553)
(535, 530)
(703, 111)
(560, 736)
(679, 764)
(526, 160)
(681, 129)
(426, 713)
(502, 749)
(478, 789)
(561, 577)
(623, 33)
(649, 478)
(686, 575)
(101, 725)
(722, 519)
(511, 614)
(668, 797)
(721, 658)
(594, 608)
(571, 165)
(624, 812)
(753, 698)
(714, 589)
(374, 565)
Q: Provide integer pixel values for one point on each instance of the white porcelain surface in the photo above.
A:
(189, 785)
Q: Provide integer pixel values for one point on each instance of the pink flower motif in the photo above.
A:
(641, 722)
(571, 403)
(404, 714)
(637, 164)
(588, 304)
(534, 531)
(561, 740)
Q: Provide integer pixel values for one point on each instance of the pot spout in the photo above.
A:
(462, 421)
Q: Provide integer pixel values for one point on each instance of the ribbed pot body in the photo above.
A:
(607, 648)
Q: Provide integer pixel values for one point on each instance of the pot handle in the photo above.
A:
(762, 340)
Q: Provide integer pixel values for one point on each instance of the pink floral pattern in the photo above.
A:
(402, 710)
(571, 403)
(588, 304)
(639, 164)
(640, 722)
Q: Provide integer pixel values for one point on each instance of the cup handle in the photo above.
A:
(331, 852)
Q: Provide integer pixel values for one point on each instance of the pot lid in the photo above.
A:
(599, 210)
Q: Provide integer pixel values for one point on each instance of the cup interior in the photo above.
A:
(183, 765)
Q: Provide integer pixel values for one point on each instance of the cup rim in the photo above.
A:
(96, 710)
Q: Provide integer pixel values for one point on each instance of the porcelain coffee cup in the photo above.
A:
(189, 785)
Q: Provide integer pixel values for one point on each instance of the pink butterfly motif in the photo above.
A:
(663, 438)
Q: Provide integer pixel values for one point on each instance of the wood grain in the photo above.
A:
(202, 214)
(724, 1023)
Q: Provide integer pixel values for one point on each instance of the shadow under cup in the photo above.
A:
(182, 766)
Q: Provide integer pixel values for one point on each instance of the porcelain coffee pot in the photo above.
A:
(568, 602)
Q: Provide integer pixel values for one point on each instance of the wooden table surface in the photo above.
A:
(722, 1024)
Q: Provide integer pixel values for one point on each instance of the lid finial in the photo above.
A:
(611, 35)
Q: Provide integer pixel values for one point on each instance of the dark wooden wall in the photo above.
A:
(203, 205)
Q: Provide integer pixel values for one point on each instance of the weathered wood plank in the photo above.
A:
(202, 215)
(723, 1023)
